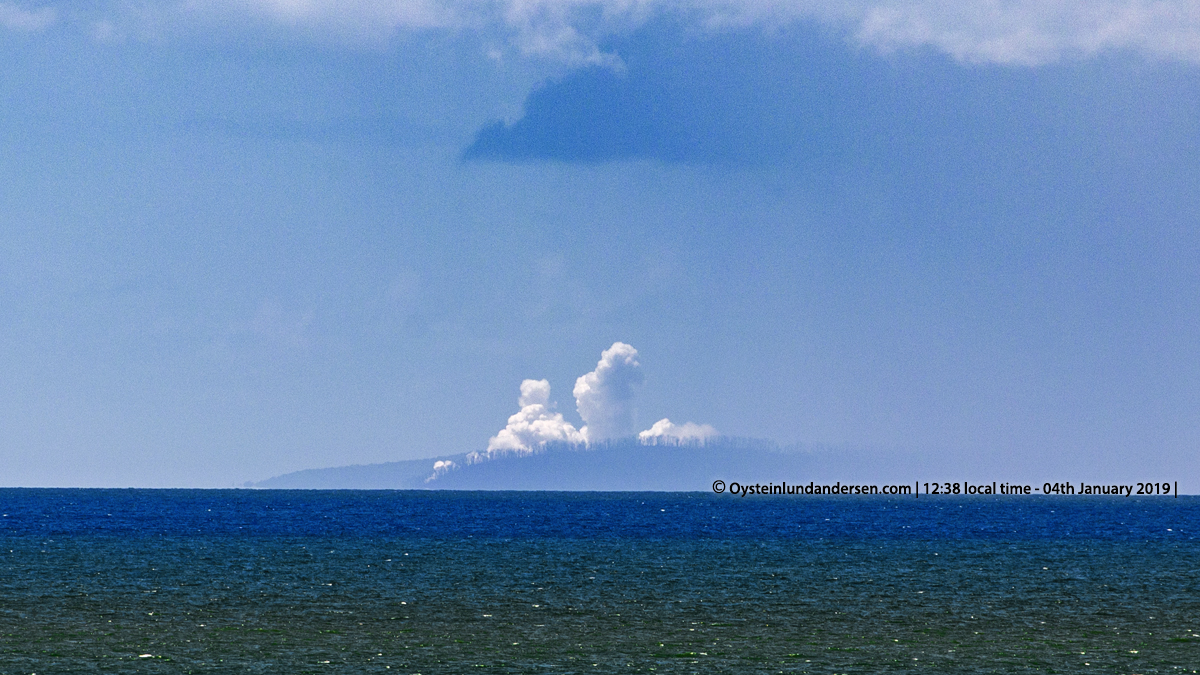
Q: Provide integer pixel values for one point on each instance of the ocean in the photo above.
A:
(279, 581)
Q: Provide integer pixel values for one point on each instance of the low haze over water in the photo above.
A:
(437, 582)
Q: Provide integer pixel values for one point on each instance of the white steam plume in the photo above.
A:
(533, 426)
(441, 468)
(604, 397)
(665, 431)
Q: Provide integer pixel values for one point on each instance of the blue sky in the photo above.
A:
(244, 238)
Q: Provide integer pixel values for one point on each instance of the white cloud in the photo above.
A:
(1022, 32)
(365, 18)
(532, 427)
(665, 431)
(1031, 32)
(604, 397)
(13, 17)
(1000, 31)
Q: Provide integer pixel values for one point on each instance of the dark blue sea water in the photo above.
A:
(177, 581)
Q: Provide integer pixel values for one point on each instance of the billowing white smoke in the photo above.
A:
(441, 468)
(535, 425)
(665, 431)
(604, 397)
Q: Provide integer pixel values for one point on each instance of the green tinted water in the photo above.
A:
(357, 604)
